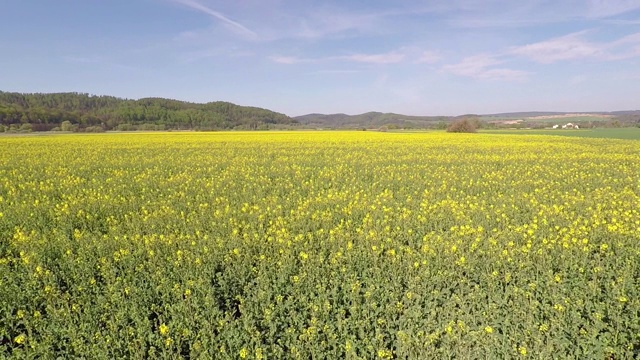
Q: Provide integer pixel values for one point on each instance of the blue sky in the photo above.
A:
(446, 57)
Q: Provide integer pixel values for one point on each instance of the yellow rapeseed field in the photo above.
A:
(356, 245)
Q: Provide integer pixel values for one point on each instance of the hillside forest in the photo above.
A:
(84, 112)
(80, 112)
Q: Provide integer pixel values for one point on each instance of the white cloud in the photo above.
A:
(566, 47)
(193, 56)
(430, 57)
(574, 46)
(387, 58)
(288, 60)
(626, 40)
(607, 8)
(322, 23)
(518, 14)
(384, 58)
(336, 71)
(231, 24)
(483, 67)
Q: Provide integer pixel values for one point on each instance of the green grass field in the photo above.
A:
(618, 133)
(563, 120)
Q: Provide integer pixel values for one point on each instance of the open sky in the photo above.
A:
(439, 57)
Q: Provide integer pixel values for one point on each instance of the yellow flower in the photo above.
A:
(385, 354)
(522, 350)
(164, 329)
(20, 339)
(347, 346)
(488, 330)
(243, 353)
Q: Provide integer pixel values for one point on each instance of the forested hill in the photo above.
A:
(372, 120)
(83, 111)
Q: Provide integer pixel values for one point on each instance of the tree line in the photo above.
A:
(85, 112)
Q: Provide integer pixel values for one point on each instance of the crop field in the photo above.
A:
(631, 133)
(354, 245)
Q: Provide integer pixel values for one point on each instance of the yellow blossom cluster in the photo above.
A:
(360, 245)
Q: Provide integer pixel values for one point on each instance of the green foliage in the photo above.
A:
(94, 129)
(371, 120)
(66, 126)
(46, 111)
(26, 127)
(125, 127)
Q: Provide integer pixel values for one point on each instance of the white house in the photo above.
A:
(570, 126)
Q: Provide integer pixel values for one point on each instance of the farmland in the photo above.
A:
(319, 245)
(604, 133)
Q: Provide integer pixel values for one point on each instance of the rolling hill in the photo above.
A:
(45, 112)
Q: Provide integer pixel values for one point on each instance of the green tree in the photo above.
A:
(66, 126)
(26, 127)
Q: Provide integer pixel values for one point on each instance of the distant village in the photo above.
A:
(548, 121)
(566, 126)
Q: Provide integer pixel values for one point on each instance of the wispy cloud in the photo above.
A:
(328, 22)
(483, 67)
(387, 58)
(289, 60)
(621, 22)
(384, 58)
(336, 71)
(567, 47)
(429, 57)
(574, 46)
(193, 56)
(531, 13)
(231, 24)
(607, 8)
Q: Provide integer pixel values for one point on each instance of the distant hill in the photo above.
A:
(44, 112)
(525, 114)
(540, 119)
(550, 113)
(370, 120)
(374, 120)
(85, 112)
